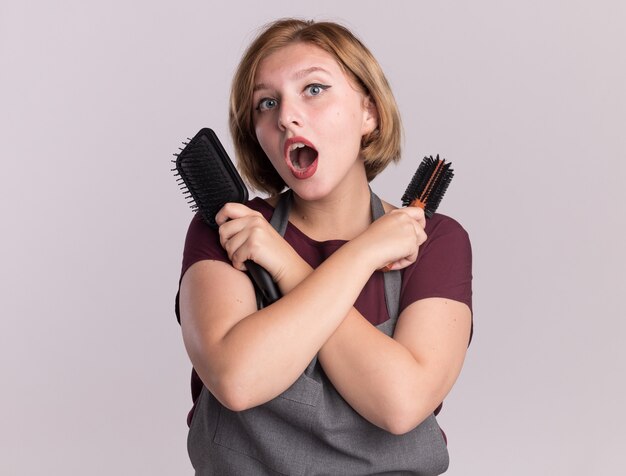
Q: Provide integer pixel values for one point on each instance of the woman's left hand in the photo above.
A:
(393, 240)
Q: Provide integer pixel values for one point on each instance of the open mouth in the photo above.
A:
(301, 156)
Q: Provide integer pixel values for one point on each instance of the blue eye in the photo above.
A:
(316, 89)
(266, 104)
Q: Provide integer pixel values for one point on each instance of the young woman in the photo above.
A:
(343, 374)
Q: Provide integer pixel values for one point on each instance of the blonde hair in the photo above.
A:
(378, 148)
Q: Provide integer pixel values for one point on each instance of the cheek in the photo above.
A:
(260, 127)
(270, 143)
(261, 133)
(347, 127)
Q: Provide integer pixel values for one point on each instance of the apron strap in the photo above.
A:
(280, 218)
(392, 279)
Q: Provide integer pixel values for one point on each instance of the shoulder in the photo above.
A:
(199, 228)
(263, 206)
(447, 243)
(438, 225)
(203, 242)
(444, 264)
(444, 226)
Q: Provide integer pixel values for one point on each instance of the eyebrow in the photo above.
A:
(298, 75)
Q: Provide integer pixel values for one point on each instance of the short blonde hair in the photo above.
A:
(378, 148)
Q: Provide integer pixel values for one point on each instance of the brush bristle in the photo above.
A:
(208, 177)
(428, 185)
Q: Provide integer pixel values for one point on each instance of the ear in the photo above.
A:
(370, 116)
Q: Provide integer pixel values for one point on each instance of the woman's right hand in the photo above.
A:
(246, 235)
(393, 240)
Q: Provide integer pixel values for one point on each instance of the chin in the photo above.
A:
(310, 191)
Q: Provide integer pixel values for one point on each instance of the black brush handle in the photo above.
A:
(210, 179)
(264, 281)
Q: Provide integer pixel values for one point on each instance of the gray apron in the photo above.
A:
(310, 429)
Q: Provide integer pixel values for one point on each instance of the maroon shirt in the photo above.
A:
(443, 267)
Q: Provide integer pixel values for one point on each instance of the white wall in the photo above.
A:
(527, 100)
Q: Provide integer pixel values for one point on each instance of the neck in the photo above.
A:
(342, 215)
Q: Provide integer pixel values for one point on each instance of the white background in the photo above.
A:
(527, 99)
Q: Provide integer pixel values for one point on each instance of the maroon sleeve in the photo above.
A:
(443, 267)
(202, 242)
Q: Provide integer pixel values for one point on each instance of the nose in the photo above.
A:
(289, 115)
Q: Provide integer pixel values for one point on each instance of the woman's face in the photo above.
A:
(309, 119)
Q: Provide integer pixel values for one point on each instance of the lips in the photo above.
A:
(301, 157)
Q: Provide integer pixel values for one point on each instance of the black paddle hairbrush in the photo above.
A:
(209, 180)
(428, 185)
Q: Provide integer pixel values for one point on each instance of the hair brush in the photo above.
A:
(427, 187)
(209, 180)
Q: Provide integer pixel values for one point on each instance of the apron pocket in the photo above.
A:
(275, 433)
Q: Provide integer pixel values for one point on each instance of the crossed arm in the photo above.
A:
(247, 356)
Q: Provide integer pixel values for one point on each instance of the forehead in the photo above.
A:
(294, 59)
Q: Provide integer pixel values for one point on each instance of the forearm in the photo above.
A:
(378, 376)
(264, 353)
(250, 356)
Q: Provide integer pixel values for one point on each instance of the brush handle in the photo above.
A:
(417, 204)
(263, 281)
